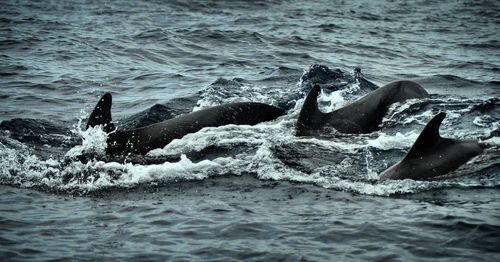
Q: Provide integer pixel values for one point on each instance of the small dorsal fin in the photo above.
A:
(428, 138)
(102, 114)
(310, 115)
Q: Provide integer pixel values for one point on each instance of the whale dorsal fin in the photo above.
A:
(102, 114)
(310, 115)
(428, 138)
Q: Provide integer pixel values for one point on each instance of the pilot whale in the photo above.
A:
(142, 140)
(432, 155)
(362, 116)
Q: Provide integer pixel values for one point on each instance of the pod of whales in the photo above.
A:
(432, 155)
(142, 140)
(362, 116)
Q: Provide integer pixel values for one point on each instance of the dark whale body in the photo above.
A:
(432, 155)
(142, 140)
(362, 116)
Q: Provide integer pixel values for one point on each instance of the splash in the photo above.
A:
(93, 143)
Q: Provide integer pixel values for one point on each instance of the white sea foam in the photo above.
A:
(483, 121)
(28, 171)
(244, 93)
(93, 142)
(331, 101)
(269, 168)
(19, 167)
(224, 135)
(399, 140)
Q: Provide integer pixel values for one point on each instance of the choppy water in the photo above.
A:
(240, 192)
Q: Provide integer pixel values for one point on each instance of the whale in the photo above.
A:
(141, 140)
(362, 116)
(432, 155)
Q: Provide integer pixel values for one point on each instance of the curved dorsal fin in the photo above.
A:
(310, 115)
(102, 114)
(428, 138)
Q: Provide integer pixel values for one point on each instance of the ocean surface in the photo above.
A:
(253, 193)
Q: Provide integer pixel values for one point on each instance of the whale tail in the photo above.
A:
(429, 139)
(310, 115)
(102, 114)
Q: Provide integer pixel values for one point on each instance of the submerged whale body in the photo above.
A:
(362, 116)
(142, 140)
(335, 79)
(330, 80)
(432, 155)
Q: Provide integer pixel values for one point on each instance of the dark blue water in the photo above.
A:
(244, 192)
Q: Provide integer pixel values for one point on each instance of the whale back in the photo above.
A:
(432, 156)
(429, 139)
(101, 115)
(361, 116)
(143, 139)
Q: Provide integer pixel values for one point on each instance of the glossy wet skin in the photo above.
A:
(362, 116)
(447, 158)
(142, 140)
(432, 156)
